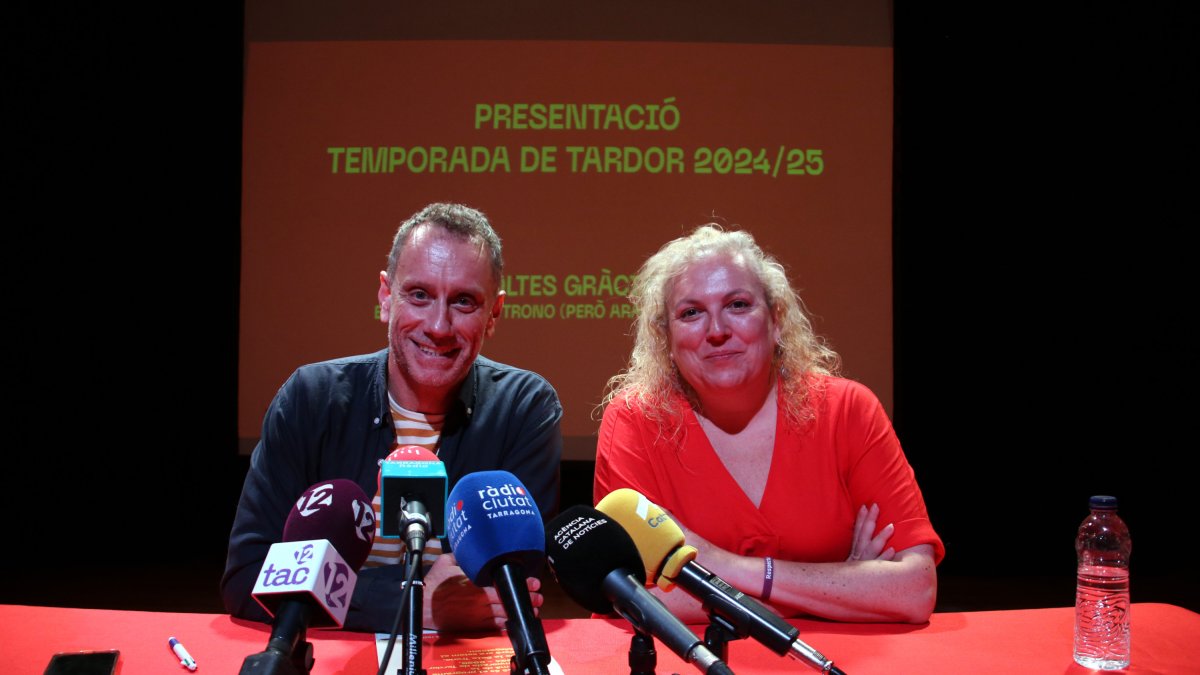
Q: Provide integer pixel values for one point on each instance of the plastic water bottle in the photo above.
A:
(1102, 639)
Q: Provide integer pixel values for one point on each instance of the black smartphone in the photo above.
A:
(84, 663)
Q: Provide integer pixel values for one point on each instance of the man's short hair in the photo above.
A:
(457, 219)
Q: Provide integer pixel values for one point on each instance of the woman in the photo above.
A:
(789, 480)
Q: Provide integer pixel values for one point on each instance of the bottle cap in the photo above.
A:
(1105, 502)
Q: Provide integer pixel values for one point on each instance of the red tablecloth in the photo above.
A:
(1166, 639)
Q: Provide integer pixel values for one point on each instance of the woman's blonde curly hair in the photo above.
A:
(652, 383)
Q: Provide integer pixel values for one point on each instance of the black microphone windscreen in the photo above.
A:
(583, 546)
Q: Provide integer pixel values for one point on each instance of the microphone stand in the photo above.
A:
(718, 634)
(415, 519)
(642, 657)
(721, 630)
(285, 654)
(414, 621)
(531, 654)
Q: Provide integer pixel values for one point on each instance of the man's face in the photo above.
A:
(439, 306)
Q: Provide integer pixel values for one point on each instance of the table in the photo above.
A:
(1166, 640)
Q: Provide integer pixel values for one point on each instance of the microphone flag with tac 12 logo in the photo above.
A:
(491, 517)
(326, 539)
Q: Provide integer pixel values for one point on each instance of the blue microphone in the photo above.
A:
(495, 530)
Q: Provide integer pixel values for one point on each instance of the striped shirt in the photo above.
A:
(412, 428)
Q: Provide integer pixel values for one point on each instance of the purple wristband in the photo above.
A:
(768, 577)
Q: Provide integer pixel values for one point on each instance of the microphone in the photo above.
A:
(412, 490)
(495, 530)
(309, 577)
(597, 564)
(667, 559)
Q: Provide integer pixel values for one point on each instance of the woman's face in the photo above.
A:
(721, 330)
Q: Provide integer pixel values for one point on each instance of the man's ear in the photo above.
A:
(497, 310)
(385, 298)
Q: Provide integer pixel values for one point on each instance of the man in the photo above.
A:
(440, 298)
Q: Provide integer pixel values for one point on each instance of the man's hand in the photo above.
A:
(453, 603)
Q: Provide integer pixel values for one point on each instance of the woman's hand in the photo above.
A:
(876, 583)
(866, 545)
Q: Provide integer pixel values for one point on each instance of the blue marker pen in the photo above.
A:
(185, 659)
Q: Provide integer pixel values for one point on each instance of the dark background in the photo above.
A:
(1044, 201)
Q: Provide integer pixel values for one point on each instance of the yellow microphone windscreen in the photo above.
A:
(656, 536)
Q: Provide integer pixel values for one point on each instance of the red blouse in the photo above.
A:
(821, 473)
